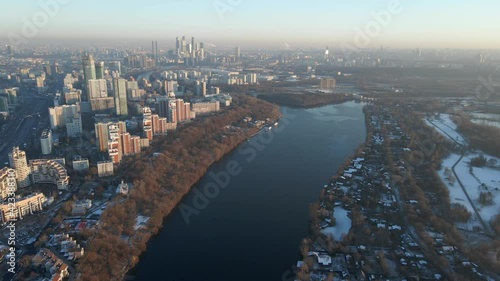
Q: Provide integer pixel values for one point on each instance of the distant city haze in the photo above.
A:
(259, 23)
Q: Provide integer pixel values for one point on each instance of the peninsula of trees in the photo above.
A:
(161, 182)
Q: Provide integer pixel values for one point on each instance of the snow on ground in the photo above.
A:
(486, 116)
(456, 193)
(488, 119)
(488, 180)
(342, 226)
(473, 185)
(486, 122)
(140, 221)
(445, 126)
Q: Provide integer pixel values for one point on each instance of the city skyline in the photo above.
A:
(397, 24)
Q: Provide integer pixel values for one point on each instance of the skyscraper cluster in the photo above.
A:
(139, 61)
(97, 88)
(191, 52)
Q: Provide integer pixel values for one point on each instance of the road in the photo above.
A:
(19, 130)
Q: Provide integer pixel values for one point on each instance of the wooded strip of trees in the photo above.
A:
(160, 183)
(305, 100)
(480, 136)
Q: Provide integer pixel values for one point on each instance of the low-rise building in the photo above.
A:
(81, 207)
(74, 127)
(105, 169)
(51, 263)
(204, 107)
(122, 188)
(49, 171)
(23, 207)
(80, 164)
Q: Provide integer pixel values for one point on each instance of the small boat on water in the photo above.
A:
(275, 124)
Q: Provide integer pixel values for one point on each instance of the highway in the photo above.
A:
(19, 130)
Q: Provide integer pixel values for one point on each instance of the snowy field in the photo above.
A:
(486, 116)
(486, 122)
(342, 226)
(445, 126)
(456, 193)
(473, 183)
(486, 119)
(487, 180)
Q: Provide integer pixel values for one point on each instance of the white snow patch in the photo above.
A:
(342, 226)
(486, 122)
(446, 127)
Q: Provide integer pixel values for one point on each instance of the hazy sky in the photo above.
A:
(314, 23)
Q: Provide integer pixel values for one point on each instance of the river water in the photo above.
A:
(251, 230)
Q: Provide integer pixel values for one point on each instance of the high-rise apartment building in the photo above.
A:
(97, 88)
(89, 72)
(59, 114)
(74, 127)
(10, 50)
(114, 144)
(126, 144)
(179, 112)
(99, 70)
(18, 162)
(147, 123)
(172, 111)
(73, 97)
(102, 133)
(46, 142)
(120, 93)
(237, 53)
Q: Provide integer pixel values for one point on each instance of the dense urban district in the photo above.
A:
(99, 145)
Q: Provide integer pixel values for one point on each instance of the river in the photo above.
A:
(252, 229)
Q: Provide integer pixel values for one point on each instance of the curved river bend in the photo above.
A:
(251, 229)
